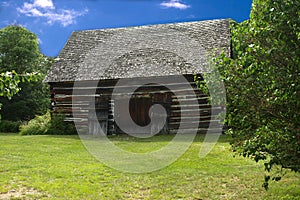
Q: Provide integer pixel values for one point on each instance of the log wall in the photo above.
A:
(91, 95)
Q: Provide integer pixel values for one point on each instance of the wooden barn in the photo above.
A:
(159, 61)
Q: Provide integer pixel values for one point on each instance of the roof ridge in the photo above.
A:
(152, 25)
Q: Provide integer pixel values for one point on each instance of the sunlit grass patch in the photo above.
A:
(60, 167)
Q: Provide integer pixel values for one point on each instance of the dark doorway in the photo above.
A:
(139, 110)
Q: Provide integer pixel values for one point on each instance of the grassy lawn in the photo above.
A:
(59, 167)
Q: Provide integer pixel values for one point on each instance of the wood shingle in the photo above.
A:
(144, 51)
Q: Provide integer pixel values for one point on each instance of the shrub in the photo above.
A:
(59, 127)
(45, 125)
(10, 126)
(37, 126)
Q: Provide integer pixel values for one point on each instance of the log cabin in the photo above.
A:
(162, 62)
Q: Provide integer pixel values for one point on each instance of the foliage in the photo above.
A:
(32, 99)
(9, 83)
(60, 127)
(47, 125)
(10, 126)
(263, 85)
(37, 126)
(19, 50)
(20, 56)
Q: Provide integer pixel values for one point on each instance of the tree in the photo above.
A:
(19, 52)
(263, 85)
(9, 83)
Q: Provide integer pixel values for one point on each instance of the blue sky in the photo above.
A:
(54, 20)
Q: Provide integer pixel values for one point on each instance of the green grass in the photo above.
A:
(59, 167)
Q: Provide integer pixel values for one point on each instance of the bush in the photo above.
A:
(37, 126)
(59, 127)
(45, 125)
(10, 126)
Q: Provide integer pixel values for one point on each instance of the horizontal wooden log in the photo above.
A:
(189, 102)
(128, 86)
(206, 122)
(190, 106)
(198, 130)
(189, 118)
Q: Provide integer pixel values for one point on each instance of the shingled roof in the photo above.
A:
(144, 51)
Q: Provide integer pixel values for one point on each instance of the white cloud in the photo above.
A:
(46, 9)
(174, 4)
(5, 4)
(44, 3)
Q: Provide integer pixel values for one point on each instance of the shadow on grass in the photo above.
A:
(125, 137)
